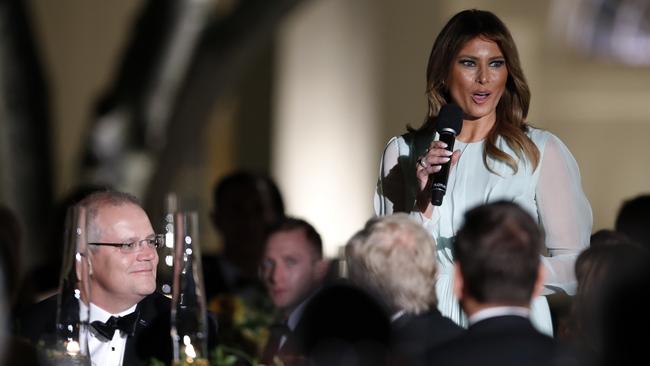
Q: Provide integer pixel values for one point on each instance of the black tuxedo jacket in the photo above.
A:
(501, 341)
(337, 319)
(152, 334)
(413, 335)
(341, 318)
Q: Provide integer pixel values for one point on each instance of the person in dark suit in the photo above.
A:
(293, 269)
(343, 325)
(130, 322)
(150, 339)
(394, 258)
(245, 206)
(612, 283)
(497, 272)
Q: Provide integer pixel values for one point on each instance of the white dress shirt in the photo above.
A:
(293, 319)
(104, 352)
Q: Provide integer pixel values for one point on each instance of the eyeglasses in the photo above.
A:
(153, 243)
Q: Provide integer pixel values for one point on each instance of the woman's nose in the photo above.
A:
(481, 76)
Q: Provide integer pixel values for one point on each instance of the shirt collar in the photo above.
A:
(495, 311)
(97, 313)
(397, 315)
(295, 315)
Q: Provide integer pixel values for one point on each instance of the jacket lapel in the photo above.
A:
(152, 333)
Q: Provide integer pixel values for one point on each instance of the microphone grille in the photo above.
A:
(450, 117)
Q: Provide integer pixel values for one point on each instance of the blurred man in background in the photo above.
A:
(293, 269)
(245, 206)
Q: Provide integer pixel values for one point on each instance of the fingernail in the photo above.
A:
(443, 145)
(448, 153)
(444, 160)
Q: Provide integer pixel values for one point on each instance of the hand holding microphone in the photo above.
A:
(433, 167)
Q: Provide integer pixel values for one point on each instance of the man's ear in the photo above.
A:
(539, 282)
(322, 266)
(84, 271)
(89, 259)
(78, 268)
(458, 281)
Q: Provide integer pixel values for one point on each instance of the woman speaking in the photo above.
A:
(474, 64)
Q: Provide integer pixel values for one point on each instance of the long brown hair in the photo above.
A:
(512, 108)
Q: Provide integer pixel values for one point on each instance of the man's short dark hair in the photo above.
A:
(262, 187)
(498, 249)
(292, 223)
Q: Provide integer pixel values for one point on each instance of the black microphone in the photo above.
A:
(448, 125)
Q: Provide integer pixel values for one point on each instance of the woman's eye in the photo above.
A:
(497, 63)
(467, 63)
(128, 245)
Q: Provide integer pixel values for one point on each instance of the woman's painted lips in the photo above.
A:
(480, 97)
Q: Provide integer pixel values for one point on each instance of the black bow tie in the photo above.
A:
(125, 324)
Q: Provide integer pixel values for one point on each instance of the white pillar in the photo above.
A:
(326, 117)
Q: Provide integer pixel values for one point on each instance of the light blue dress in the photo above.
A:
(552, 194)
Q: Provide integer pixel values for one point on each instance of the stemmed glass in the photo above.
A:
(165, 274)
(70, 346)
(189, 317)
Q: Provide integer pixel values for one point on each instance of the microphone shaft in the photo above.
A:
(439, 186)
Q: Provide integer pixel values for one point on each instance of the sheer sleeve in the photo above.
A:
(565, 215)
(389, 162)
(395, 191)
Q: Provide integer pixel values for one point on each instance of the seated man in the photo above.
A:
(245, 206)
(123, 259)
(293, 269)
(497, 273)
(343, 325)
(394, 258)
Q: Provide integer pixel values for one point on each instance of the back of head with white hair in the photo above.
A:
(394, 257)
